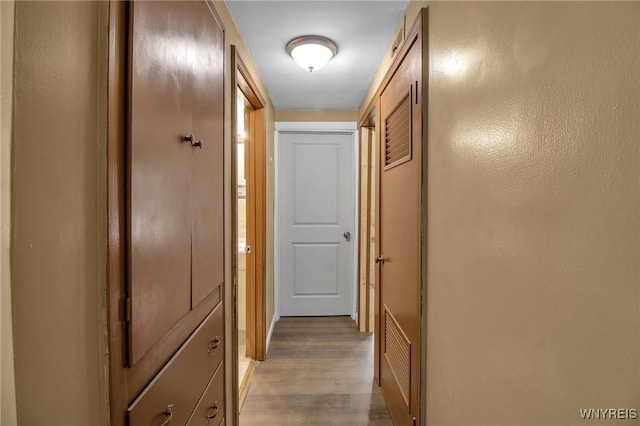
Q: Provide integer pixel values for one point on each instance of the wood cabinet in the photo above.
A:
(166, 213)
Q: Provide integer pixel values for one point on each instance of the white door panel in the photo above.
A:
(316, 210)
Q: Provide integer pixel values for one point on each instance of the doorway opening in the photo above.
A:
(245, 266)
(248, 228)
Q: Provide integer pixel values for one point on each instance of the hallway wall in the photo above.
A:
(58, 220)
(233, 37)
(7, 379)
(533, 302)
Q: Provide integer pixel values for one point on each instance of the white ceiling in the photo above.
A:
(361, 29)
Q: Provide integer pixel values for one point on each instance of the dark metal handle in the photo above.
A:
(347, 236)
(169, 414)
(213, 411)
(214, 344)
(191, 139)
(380, 259)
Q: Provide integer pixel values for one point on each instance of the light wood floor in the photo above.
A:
(319, 371)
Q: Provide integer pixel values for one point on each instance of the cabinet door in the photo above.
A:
(159, 223)
(208, 185)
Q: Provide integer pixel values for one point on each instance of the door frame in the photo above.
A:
(419, 28)
(241, 81)
(371, 119)
(367, 126)
(316, 127)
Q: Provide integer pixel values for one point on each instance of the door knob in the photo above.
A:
(247, 249)
(347, 236)
(380, 259)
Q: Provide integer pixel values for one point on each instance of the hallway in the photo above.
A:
(319, 371)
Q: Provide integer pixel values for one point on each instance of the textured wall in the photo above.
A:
(7, 383)
(534, 212)
(58, 216)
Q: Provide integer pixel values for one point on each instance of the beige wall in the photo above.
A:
(7, 382)
(233, 37)
(533, 295)
(316, 115)
(533, 302)
(58, 210)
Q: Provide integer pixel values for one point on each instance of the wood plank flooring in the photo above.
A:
(319, 371)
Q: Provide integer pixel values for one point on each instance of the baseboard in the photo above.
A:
(270, 333)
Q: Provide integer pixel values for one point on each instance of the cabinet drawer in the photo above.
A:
(175, 390)
(210, 409)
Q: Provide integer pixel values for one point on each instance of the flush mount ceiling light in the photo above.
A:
(311, 52)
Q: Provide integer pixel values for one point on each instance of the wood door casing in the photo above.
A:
(399, 238)
(364, 221)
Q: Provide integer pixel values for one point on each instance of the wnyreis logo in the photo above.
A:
(609, 413)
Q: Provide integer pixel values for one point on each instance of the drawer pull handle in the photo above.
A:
(169, 415)
(214, 344)
(213, 411)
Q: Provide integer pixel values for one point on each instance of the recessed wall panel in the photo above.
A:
(316, 269)
(316, 184)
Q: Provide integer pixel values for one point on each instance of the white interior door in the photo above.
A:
(316, 223)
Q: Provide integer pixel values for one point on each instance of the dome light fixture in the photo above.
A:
(311, 52)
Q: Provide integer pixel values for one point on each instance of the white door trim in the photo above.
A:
(325, 126)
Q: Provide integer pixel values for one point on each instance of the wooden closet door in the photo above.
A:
(208, 172)
(159, 178)
(400, 240)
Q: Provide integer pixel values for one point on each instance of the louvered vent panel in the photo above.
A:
(397, 350)
(398, 134)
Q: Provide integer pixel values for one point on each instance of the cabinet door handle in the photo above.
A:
(192, 140)
(214, 344)
(213, 411)
(168, 414)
